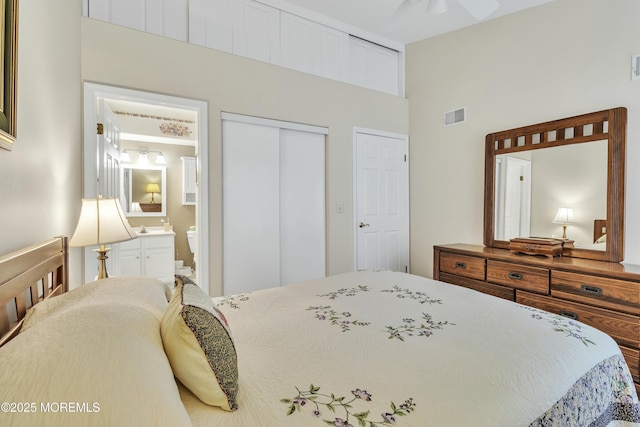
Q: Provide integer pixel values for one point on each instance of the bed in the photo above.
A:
(369, 348)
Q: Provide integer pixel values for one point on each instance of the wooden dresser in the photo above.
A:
(602, 294)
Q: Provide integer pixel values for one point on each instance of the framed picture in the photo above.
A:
(8, 71)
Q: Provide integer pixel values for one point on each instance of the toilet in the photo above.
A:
(192, 237)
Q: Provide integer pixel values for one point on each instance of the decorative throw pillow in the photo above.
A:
(198, 344)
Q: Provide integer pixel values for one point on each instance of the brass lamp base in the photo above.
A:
(102, 265)
(564, 231)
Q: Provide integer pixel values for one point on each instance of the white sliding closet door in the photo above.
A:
(302, 210)
(273, 206)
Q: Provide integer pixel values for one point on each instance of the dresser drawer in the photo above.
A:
(462, 265)
(601, 291)
(632, 356)
(534, 279)
(484, 287)
(624, 328)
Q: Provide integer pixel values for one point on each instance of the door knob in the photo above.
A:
(363, 225)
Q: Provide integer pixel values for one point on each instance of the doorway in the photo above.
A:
(381, 200)
(96, 95)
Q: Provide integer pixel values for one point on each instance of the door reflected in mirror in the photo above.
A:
(143, 191)
(530, 187)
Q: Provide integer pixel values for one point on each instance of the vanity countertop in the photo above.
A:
(153, 231)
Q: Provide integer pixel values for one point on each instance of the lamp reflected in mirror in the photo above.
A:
(143, 190)
(153, 188)
(564, 216)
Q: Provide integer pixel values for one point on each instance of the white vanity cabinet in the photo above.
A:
(148, 255)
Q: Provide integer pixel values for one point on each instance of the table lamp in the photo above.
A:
(564, 216)
(101, 222)
(153, 188)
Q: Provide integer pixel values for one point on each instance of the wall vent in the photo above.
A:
(635, 67)
(455, 117)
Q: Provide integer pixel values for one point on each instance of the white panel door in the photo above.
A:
(333, 48)
(128, 13)
(168, 18)
(251, 205)
(302, 206)
(256, 31)
(211, 24)
(108, 152)
(296, 36)
(374, 66)
(107, 178)
(517, 198)
(314, 48)
(382, 203)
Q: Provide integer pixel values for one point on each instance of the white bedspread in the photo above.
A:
(382, 348)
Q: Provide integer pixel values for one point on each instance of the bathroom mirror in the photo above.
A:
(578, 163)
(143, 191)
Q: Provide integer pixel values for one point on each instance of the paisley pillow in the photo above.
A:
(198, 344)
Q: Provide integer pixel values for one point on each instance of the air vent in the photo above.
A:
(455, 117)
(635, 67)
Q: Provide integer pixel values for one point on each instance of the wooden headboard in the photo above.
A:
(28, 276)
(599, 229)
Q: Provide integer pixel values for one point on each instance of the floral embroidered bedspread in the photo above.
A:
(379, 348)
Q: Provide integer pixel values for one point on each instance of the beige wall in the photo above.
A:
(122, 57)
(40, 180)
(557, 60)
(582, 170)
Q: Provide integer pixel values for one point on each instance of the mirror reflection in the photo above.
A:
(553, 192)
(143, 190)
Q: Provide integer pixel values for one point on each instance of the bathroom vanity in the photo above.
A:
(150, 254)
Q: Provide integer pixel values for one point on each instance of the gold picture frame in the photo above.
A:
(8, 72)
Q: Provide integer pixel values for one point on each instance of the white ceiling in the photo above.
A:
(374, 16)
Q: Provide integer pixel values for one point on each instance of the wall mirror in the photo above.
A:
(534, 172)
(143, 190)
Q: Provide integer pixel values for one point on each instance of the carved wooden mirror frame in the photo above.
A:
(607, 125)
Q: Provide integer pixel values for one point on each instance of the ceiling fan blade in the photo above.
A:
(400, 16)
(480, 9)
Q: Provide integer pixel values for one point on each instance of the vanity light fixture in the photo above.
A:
(143, 157)
(160, 160)
(125, 157)
(564, 216)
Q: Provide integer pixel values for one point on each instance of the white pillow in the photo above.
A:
(93, 357)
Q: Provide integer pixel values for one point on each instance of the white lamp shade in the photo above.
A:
(102, 221)
(564, 216)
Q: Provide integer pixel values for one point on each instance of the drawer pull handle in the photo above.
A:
(461, 265)
(569, 314)
(593, 290)
(516, 276)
